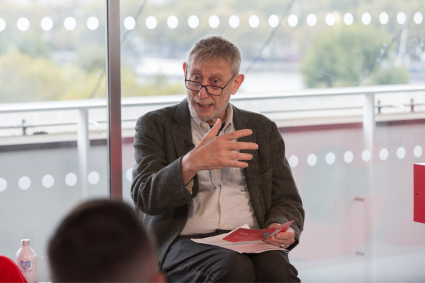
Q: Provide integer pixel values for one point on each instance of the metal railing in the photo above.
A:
(96, 123)
(83, 106)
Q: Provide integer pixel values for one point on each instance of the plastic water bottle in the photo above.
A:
(26, 260)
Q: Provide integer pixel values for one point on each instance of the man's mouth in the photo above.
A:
(204, 106)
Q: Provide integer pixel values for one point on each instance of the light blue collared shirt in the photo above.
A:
(223, 200)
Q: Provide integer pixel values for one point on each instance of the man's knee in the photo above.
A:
(235, 267)
(274, 266)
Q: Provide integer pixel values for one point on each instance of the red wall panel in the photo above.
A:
(419, 192)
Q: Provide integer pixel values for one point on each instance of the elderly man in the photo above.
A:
(204, 167)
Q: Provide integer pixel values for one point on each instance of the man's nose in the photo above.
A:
(203, 93)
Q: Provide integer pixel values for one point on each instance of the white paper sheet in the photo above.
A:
(253, 247)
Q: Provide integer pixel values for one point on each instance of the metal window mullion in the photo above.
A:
(83, 146)
(113, 83)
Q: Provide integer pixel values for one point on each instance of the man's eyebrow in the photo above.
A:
(217, 74)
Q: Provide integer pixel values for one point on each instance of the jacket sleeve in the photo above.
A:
(157, 184)
(286, 200)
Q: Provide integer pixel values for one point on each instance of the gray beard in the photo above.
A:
(214, 115)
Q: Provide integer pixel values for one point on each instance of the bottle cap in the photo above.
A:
(25, 242)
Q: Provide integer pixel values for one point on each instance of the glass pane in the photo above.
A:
(52, 115)
(343, 81)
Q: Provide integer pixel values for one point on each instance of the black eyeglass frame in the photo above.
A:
(205, 86)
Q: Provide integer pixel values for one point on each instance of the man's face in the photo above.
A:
(206, 107)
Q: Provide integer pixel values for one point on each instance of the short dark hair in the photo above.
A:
(101, 240)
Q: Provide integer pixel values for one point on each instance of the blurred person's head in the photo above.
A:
(102, 241)
(213, 61)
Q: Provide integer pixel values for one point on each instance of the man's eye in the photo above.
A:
(196, 78)
(215, 82)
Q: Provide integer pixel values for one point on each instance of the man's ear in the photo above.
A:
(184, 67)
(238, 80)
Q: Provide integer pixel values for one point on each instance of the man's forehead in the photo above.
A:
(217, 66)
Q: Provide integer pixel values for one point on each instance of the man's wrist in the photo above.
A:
(188, 168)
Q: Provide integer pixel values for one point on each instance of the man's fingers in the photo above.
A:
(283, 238)
(286, 235)
(240, 156)
(237, 134)
(243, 146)
(279, 243)
(236, 164)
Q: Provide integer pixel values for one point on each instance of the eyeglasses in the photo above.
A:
(211, 90)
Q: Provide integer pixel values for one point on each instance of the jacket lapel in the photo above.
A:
(251, 172)
(241, 120)
(181, 129)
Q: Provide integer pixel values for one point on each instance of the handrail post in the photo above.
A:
(369, 120)
(24, 128)
(83, 145)
(368, 135)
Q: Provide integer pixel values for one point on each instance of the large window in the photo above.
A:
(343, 80)
(52, 143)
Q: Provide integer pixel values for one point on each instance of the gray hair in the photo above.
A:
(216, 47)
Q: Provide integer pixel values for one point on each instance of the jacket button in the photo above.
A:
(178, 229)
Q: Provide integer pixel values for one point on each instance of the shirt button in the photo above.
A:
(222, 199)
(224, 224)
(215, 170)
(203, 125)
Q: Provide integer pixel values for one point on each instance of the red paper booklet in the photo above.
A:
(245, 235)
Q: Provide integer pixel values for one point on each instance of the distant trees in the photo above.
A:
(62, 65)
(24, 78)
(342, 55)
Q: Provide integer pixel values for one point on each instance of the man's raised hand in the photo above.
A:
(215, 152)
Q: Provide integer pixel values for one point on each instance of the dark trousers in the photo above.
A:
(187, 261)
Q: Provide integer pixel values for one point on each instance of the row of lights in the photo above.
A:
(349, 156)
(48, 180)
(47, 23)
(214, 21)
(254, 20)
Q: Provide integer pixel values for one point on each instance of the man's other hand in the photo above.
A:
(215, 152)
(286, 238)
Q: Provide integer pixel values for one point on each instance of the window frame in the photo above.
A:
(113, 101)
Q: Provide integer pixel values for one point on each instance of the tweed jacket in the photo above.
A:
(164, 136)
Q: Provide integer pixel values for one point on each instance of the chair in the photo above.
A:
(9, 271)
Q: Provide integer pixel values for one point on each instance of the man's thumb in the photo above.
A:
(214, 130)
